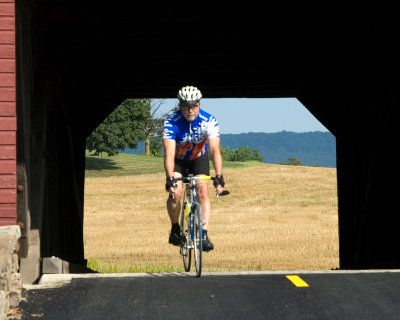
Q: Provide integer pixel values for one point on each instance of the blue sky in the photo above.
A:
(241, 115)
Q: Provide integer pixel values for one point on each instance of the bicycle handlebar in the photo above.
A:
(188, 179)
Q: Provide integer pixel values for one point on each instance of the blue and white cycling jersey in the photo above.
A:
(191, 137)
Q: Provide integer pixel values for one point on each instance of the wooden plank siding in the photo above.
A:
(8, 115)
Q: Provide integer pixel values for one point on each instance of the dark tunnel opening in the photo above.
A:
(71, 75)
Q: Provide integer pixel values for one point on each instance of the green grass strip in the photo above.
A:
(133, 164)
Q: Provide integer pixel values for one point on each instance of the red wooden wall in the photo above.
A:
(8, 115)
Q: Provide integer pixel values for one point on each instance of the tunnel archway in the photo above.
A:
(71, 75)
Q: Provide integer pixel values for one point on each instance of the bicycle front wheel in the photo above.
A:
(198, 232)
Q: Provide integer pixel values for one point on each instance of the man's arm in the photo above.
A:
(213, 144)
(169, 157)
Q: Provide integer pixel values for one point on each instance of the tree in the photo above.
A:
(241, 154)
(256, 156)
(292, 161)
(123, 128)
(154, 125)
(154, 129)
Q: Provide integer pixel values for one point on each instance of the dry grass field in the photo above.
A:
(277, 217)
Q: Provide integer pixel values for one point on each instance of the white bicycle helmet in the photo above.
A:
(189, 94)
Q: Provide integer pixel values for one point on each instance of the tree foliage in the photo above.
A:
(156, 147)
(123, 128)
(292, 161)
(154, 128)
(241, 154)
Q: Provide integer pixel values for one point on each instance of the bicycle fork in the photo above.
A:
(189, 216)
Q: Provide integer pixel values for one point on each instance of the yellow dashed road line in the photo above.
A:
(297, 281)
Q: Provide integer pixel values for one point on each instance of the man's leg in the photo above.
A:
(174, 209)
(204, 200)
(173, 203)
(205, 208)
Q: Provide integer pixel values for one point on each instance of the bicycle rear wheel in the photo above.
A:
(186, 252)
(198, 248)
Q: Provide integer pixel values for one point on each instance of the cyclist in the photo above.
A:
(188, 133)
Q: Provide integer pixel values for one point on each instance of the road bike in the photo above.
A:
(191, 230)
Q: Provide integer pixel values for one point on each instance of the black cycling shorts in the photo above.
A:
(195, 167)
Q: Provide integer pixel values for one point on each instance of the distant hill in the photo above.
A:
(313, 148)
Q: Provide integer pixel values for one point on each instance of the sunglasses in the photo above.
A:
(190, 105)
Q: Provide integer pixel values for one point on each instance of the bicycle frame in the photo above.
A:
(189, 199)
(192, 216)
(190, 196)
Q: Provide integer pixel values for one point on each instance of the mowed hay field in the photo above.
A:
(277, 217)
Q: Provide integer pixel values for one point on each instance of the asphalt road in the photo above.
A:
(333, 295)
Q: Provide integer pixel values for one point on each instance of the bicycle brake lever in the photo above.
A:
(174, 185)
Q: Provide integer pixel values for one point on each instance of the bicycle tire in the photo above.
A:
(186, 252)
(198, 232)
